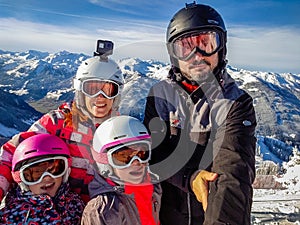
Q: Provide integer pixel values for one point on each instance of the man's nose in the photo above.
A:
(198, 56)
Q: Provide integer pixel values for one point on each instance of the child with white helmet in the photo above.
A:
(40, 167)
(124, 191)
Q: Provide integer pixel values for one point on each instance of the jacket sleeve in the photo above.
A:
(230, 197)
(103, 210)
(6, 180)
(6, 155)
(160, 132)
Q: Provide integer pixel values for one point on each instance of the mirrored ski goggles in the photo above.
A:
(94, 87)
(122, 156)
(33, 173)
(205, 42)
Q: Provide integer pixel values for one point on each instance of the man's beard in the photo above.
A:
(204, 77)
(200, 76)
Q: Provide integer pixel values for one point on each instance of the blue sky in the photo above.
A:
(262, 35)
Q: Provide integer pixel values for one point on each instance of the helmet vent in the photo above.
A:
(31, 151)
(143, 132)
(213, 22)
(121, 136)
(56, 148)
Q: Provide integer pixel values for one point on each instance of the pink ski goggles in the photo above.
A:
(205, 42)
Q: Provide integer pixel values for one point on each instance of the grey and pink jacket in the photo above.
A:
(112, 203)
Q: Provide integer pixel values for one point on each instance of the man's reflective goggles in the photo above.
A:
(206, 43)
(122, 156)
(94, 87)
(33, 173)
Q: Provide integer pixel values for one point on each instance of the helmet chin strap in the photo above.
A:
(220, 70)
(23, 186)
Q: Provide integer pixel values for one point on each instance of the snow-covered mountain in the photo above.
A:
(38, 75)
(44, 80)
(15, 114)
(34, 82)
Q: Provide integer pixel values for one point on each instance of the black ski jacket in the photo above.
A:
(213, 128)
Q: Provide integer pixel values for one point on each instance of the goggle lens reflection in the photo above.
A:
(94, 87)
(207, 43)
(123, 157)
(33, 173)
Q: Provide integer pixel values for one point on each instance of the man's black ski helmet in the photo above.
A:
(194, 17)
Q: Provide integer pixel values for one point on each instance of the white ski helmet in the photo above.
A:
(118, 131)
(98, 68)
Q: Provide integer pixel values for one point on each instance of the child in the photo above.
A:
(124, 191)
(41, 167)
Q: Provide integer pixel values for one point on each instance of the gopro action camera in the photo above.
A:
(104, 48)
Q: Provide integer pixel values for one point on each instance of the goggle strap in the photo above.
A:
(77, 84)
(16, 176)
(125, 142)
(100, 157)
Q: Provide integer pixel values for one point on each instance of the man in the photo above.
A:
(201, 121)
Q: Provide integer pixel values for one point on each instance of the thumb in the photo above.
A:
(209, 176)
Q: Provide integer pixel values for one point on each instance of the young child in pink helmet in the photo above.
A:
(40, 167)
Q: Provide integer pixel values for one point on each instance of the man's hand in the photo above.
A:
(200, 185)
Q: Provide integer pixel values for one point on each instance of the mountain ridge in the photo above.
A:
(44, 81)
(33, 83)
